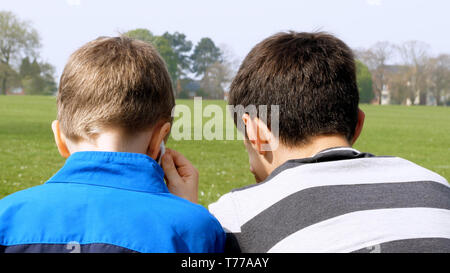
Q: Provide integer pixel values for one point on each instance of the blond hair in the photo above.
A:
(113, 82)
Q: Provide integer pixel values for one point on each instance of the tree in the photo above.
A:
(161, 44)
(37, 78)
(142, 34)
(166, 52)
(230, 58)
(215, 77)
(415, 56)
(376, 58)
(181, 47)
(28, 68)
(13, 78)
(399, 86)
(438, 77)
(364, 81)
(205, 54)
(17, 39)
(231, 62)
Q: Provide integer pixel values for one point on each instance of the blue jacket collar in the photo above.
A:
(130, 171)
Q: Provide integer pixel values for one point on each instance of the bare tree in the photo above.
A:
(216, 77)
(438, 77)
(376, 59)
(399, 86)
(415, 55)
(230, 58)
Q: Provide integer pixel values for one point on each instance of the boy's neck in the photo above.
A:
(111, 141)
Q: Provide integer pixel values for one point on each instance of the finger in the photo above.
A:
(183, 165)
(169, 169)
(179, 159)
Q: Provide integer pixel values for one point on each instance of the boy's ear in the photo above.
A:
(60, 140)
(359, 125)
(160, 133)
(257, 132)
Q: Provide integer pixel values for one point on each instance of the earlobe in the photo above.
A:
(359, 125)
(59, 140)
(265, 138)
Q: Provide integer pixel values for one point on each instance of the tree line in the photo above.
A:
(386, 73)
(200, 70)
(406, 74)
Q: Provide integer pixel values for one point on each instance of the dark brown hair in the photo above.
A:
(310, 76)
(113, 82)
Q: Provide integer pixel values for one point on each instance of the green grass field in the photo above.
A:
(29, 157)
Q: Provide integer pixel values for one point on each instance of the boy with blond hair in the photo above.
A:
(114, 111)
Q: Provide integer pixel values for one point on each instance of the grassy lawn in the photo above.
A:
(29, 157)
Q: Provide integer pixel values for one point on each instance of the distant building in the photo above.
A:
(385, 95)
(225, 95)
(17, 91)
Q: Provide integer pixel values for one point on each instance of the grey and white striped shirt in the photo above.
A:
(340, 200)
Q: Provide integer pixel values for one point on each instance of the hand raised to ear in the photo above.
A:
(181, 176)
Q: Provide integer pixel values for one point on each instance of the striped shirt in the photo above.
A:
(340, 200)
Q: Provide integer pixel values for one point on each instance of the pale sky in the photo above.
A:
(65, 25)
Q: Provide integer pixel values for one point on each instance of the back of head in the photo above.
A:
(113, 83)
(310, 76)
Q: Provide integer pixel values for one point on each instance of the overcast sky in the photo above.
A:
(64, 25)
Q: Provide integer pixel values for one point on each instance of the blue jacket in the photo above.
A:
(106, 202)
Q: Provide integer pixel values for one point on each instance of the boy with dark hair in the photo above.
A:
(315, 192)
(114, 110)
